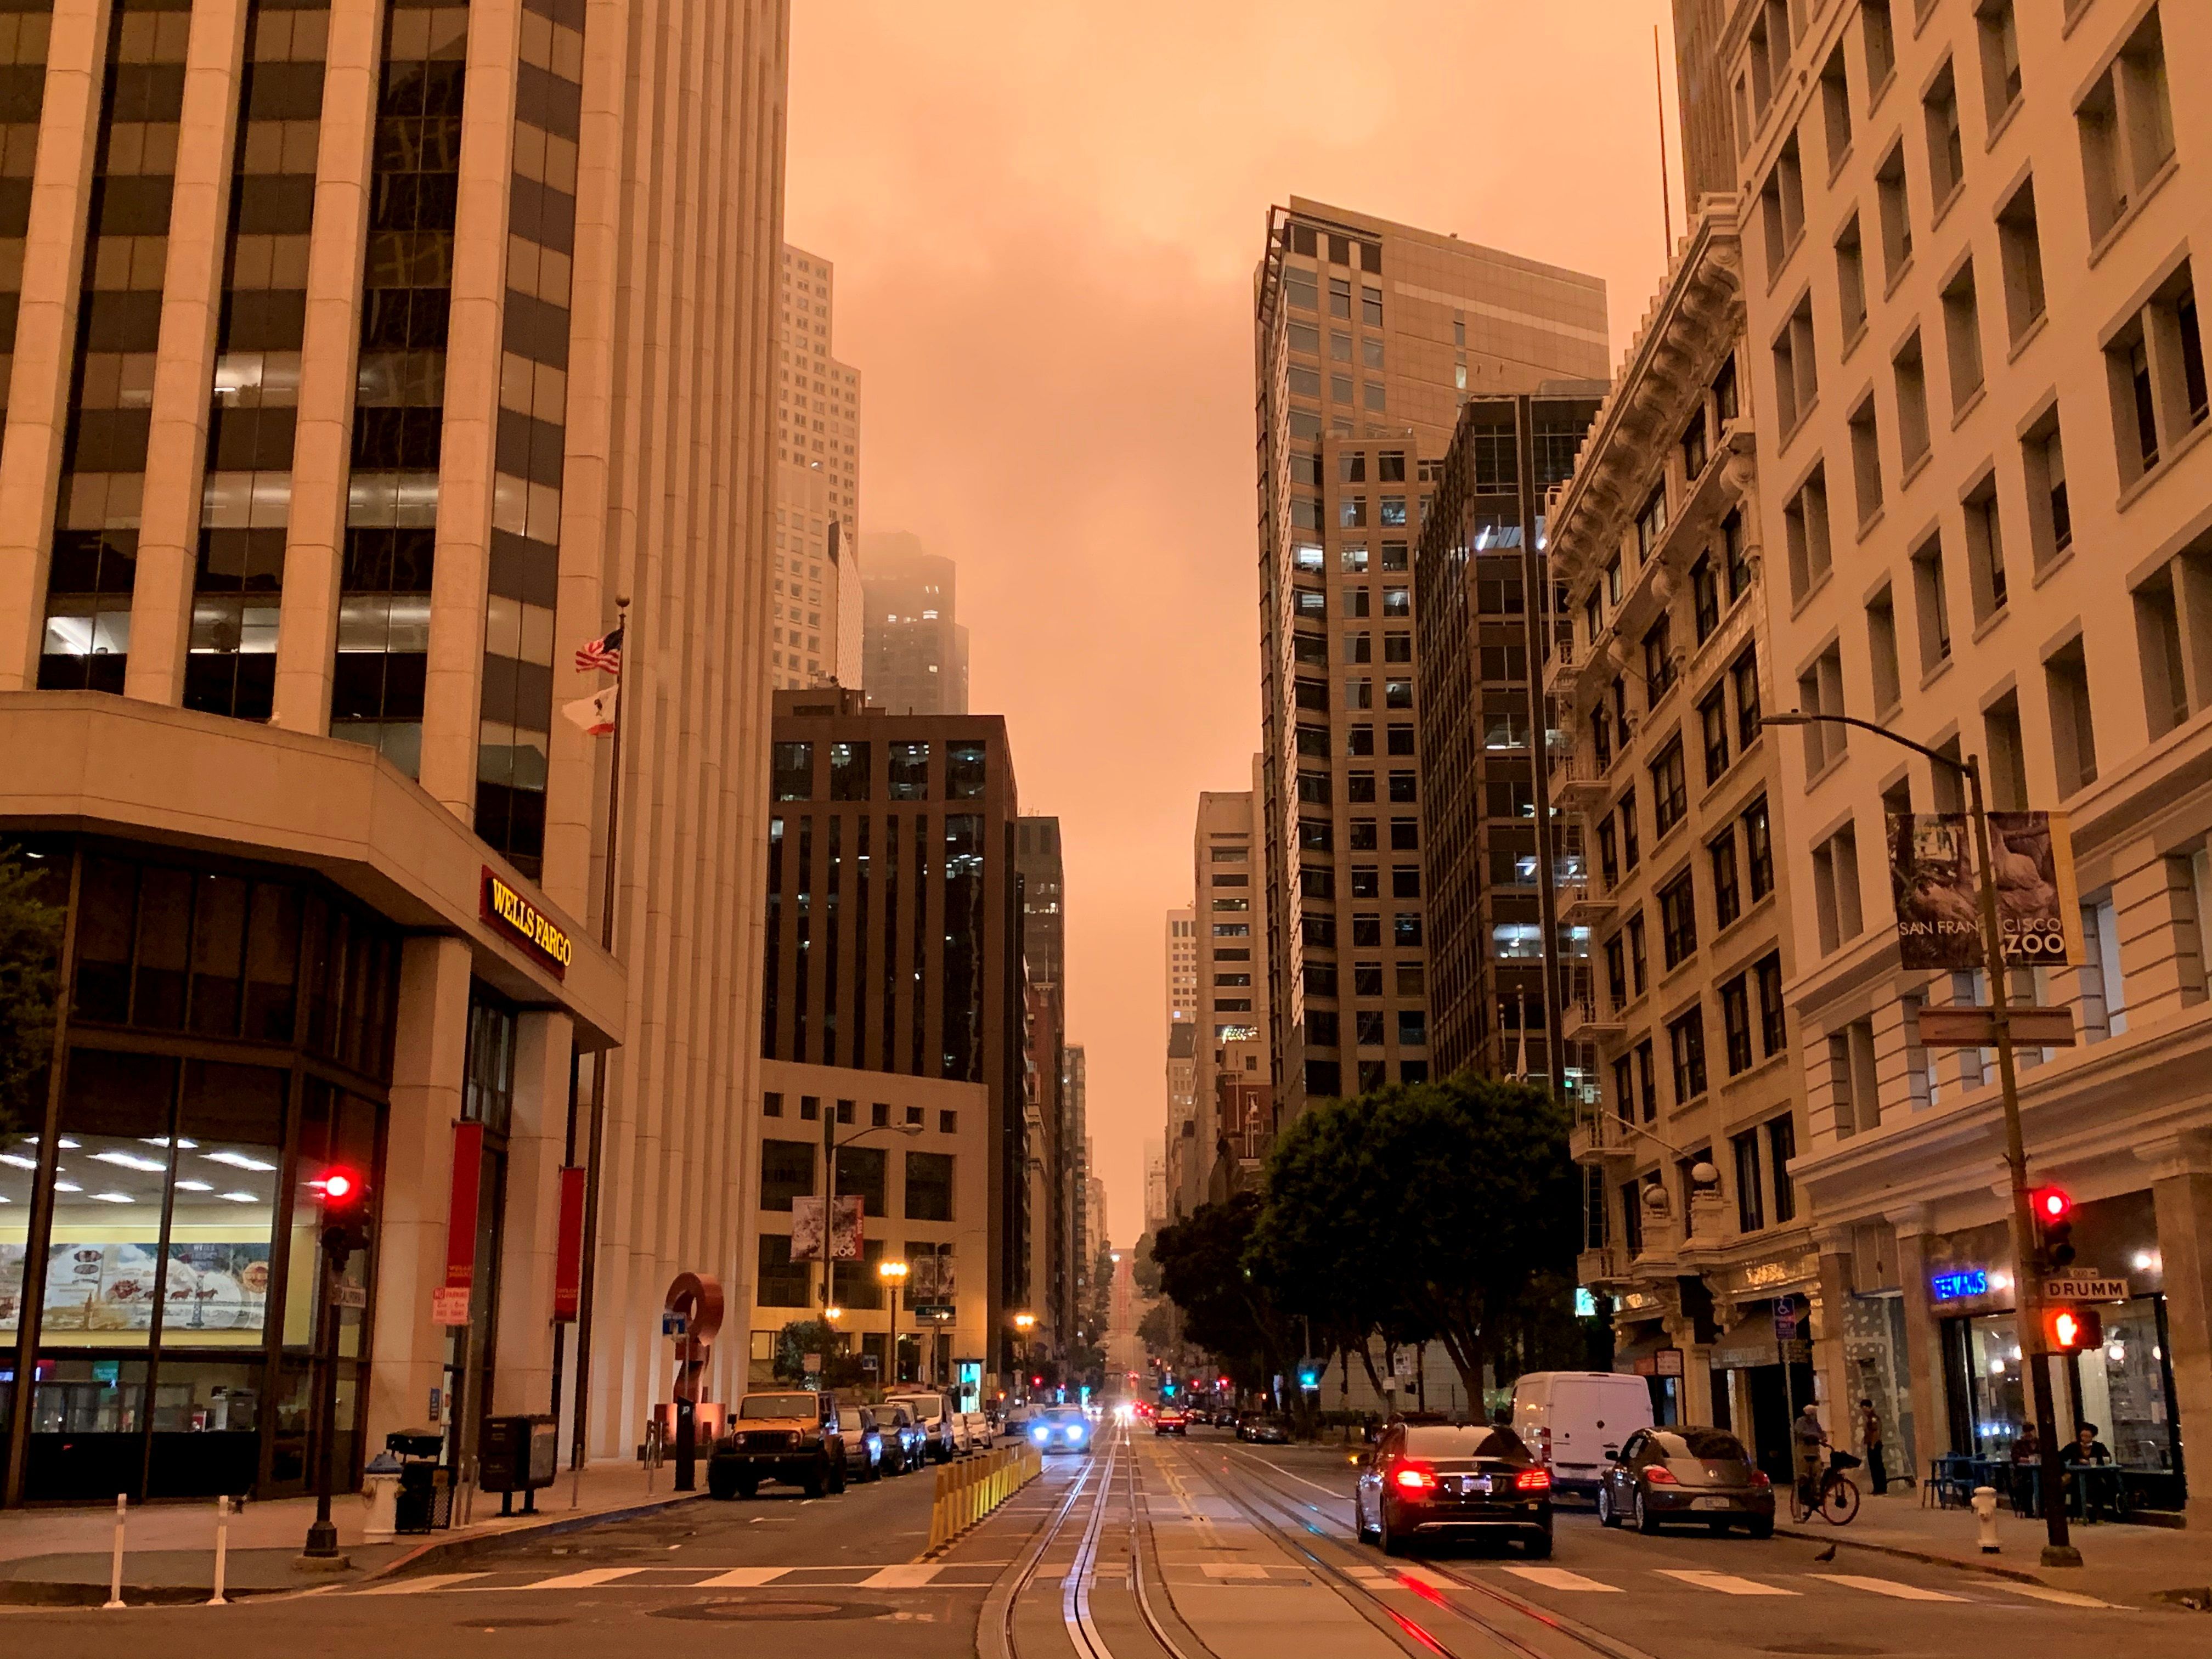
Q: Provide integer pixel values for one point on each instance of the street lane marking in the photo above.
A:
(1559, 1578)
(436, 1581)
(913, 1576)
(1888, 1587)
(1726, 1583)
(742, 1579)
(584, 1580)
(1234, 1569)
(2064, 1598)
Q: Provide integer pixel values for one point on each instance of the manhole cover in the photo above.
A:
(1815, 1648)
(770, 1607)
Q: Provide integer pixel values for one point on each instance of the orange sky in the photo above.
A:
(1044, 218)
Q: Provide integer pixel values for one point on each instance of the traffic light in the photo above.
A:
(1309, 1376)
(343, 1198)
(2074, 1330)
(1167, 1387)
(2054, 1228)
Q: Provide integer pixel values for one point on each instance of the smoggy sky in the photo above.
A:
(1044, 218)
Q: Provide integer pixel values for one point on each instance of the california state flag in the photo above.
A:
(596, 714)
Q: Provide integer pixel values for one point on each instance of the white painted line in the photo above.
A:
(742, 1579)
(1726, 1583)
(587, 1579)
(1559, 1578)
(912, 1575)
(2064, 1598)
(1233, 1570)
(436, 1581)
(1420, 1575)
(1369, 1576)
(1269, 1463)
(1888, 1587)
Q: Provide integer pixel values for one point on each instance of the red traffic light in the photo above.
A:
(2052, 1204)
(340, 1187)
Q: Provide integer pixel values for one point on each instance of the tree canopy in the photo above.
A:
(30, 981)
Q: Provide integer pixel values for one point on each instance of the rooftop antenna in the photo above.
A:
(1659, 93)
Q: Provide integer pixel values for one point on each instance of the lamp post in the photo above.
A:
(830, 1147)
(2059, 1551)
(1023, 1323)
(894, 1274)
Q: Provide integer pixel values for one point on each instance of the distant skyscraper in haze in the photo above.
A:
(815, 597)
(1229, 1075)
(1369, 337)
(1054, 1142)
(1183, 965)
(916, 652)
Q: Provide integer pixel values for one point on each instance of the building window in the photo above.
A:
(1728, 898)
(1774, 1033)
(1631, 849)
(1670, 795)
(1685, 1044)
(1713, 726)
(1781, 1151)
(1705, 597)
(1678, 920)
(1750, 1200)
(2126, 127)
(1736, 1024)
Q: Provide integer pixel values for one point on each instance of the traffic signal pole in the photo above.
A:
(323, 1534)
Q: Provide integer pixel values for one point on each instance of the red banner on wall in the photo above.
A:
(461, 1213)
(569, 1253)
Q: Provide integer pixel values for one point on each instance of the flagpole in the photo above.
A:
(614, 782)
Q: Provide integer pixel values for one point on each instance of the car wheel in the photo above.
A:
(748, 1487)
(1387, 1536)
(1646, 1522)
(837, 1476)
(817, 1481)
(721, 1484)
(1763, 1527)
(1719, 1527)
(1606, 1515)
(1537, 1546)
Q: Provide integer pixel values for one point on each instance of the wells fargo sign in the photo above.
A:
(525, 923)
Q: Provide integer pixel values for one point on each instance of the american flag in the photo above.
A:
(602, 654)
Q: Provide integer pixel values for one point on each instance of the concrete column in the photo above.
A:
(46, 330)
(453, 693)
(1831, 1376)
(2160, 969)
(192, 300)
(427, 1059)
(2181, 1195)
(1923, 1348)
(522, 1380)
(314, 541)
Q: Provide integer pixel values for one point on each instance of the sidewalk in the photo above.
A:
(64, 1555)
(2138, 1565)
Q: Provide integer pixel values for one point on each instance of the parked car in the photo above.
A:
(976, 1428)
(1171, 1419)
(1696, 1474)
(789, 1435)
(1441, 1480)
(1060, 1429)
(1264, 1430)
(940, 1420)
(864, 1442)
(1577, 1422)
(906, 1444)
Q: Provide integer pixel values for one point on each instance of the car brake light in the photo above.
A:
(1532, 1480)
(1759, 1480)
(1412, 1476)
(1660, 1475)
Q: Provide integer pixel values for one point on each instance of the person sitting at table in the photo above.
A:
(2088, 1451)
(2027, 1454)
(2087, 1448)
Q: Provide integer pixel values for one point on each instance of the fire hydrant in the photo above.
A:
(380, 1491)
(1984, 1503)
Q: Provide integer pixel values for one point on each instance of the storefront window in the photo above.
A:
(111, 1171)
(1995, 1384)
(2123, 1386)
(222, 1225)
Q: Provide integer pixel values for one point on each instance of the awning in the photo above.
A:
(1749, 1344)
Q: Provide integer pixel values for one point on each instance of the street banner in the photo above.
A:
(568, 1251)
(1936, 885)
(461, 1208)
(806, 1230)
(847, 1227)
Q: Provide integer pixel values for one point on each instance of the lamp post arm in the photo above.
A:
(1799, 717)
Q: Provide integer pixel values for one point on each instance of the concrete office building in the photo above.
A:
(1230, 1050)
(1183, 965)
(1675, 793)
(1183, 1169)
(815, 634)
(1049, 1271)
(341, 411)
(1974, 333)
(817, 398)
(1368, 337)
(893, 953)
(915, 654)
(1156, 1186)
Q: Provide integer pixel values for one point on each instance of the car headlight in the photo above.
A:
(1039, 1434)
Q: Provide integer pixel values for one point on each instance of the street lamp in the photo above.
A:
(2027, 1283)
(894, 1274)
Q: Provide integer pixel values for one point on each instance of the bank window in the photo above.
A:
(929, 1185)
(786, 1172)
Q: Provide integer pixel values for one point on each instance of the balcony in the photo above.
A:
(1577, 785)
(1604, 1267)
(1584, 1020)
(1583, 903)
(1597, 1137)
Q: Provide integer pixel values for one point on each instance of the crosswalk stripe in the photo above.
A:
(436, 1581)
(2064, 1598)
(742, 1579)
(585, 1579)
(912, 1575)
(1888, 1587)
(1234, 1570)
(1726, 1583)
(1559, 1578)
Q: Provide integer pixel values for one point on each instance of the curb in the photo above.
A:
(439, 1550)
(41, 1593)
(1932, 1558)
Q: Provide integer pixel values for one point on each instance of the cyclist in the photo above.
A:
(1811, 1440)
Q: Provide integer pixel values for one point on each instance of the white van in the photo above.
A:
(941, 1422)
(1576, 1421)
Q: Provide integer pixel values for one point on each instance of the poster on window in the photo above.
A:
(215, 1287)
(11, 1286)
(113, 1287)
(1935, 882)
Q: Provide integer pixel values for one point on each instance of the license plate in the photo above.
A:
(1474, 1485)
(1711, 1503)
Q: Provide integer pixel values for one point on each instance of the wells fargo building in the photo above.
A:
(363, 353)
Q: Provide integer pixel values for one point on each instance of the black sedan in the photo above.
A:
(1453, 1480)
(1693, 1475)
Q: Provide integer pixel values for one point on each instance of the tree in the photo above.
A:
(1203, 1271)
(30, 983)
(801, 1337)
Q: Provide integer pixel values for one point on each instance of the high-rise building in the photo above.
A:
(1231, 1058)
(1054, 1151)
(1184, 1171)
(1486, 1003)
(1156, 1186)
(1368, 338)
(916, 652)
(893, 960)
(815, 603)
(1183, 965)
(325, 457)
(1976, 369)
(1708, 136)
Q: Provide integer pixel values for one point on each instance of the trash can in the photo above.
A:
(424, 1500)
(517, 1454)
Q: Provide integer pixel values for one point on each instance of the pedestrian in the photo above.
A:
(2027, 1456)
(2089, 1449)
(1870, 1436)
(1809, 1438)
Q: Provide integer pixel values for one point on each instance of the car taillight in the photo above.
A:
(1544, 1446)
(1759, 1479)
(1660, 1475)
(1413, 1477)
(1532, 1480)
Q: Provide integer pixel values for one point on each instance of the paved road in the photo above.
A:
(1149, 1549)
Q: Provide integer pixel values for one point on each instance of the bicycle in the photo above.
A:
(1837, 1499)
